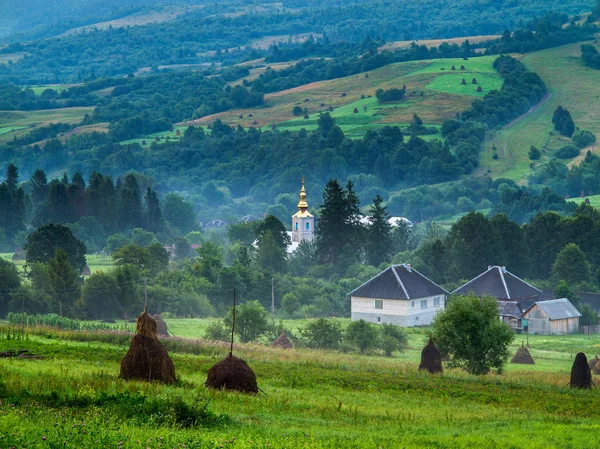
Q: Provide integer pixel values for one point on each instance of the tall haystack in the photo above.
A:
(282, 341)
(431, 359)
(232, 373)
(147, 359)
(523, 356)
(593, 363)
(161, 326)
(581, 376)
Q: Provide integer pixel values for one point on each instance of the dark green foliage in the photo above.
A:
(180, 213)
(590, 56)
(470, 333)
(390, 95)
(217, 331)
(562, 121)
(583, 138)
(64, 283)
(150, 260)
(362, 334)
(45, 241)
(378, 243)
(567, 152)
(9, 281)
(392, 339)
(571, 265)
(322, 333)
(534, 153)
(250, 321)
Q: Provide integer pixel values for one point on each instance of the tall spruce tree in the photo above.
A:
(332, 227)
(130, 204)
(379, 234)
(66, 288)
(154, 216)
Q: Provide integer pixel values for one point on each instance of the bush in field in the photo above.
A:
(567, 152)
(217, 331)
(394, 94)
(470, 333)
(250, 321)
(361, 334)
(534, 153)
(322, 333)
(583, 138)
(391, 339)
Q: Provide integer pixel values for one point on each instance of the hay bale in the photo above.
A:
(282, 342)
(431, 359)
(147, 359)
(581, 376)
(523, 357)
(593, 362)
(161, 326)
(232, 373)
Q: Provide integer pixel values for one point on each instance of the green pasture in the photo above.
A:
(594, 200)
(18, 123)
(162, 136)
(309, 399)
(452, 83)
(58, 88)
(480, 64)
(571, 85)
(14, 57)
(95, 262)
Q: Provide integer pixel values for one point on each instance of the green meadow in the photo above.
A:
(309, 398)
(162, 137)
(95, 262)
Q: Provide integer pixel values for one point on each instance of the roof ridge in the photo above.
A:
(501, 271)
(426, 278)
(473, 280)
(366, 282)
(393, 267)
(525, 282)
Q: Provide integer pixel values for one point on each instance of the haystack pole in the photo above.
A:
(232, 373)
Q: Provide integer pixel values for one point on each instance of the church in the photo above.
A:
(303, 223)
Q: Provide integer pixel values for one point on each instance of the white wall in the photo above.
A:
(396, 311)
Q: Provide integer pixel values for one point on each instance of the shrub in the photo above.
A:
(392, 339)
(250, 321)
(362, 334)
(217, 331)
(297, 111)
(583, 138)
(534, 153)
(322, 333)
(567, 152)
(390, 95)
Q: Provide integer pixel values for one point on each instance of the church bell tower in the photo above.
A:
(303, 222)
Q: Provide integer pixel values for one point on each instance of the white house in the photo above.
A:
(398, 295)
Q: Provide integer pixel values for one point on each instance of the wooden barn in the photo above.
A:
(556, 316)
(398, 295)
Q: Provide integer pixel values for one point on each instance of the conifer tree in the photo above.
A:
(64, 281)
(154, 217)
(332, 225)
(379, 233)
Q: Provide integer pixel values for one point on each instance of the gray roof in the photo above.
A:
(557, 309)
(398, 282)
(509, 309)
(499, 283)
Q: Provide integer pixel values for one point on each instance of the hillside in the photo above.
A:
(571, 85)
(434, 92)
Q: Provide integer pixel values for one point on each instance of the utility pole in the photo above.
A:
(145, 294)
(273, 299)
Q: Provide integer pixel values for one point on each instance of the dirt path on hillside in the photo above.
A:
(534, 108)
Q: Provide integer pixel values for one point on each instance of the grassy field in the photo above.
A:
(434, 92)
(571, 85)
(58, 88)
(399, 45)
(162, 137)
(18, 123)
(311, 399)
(14, 57)
(594, 200)
(96, 263)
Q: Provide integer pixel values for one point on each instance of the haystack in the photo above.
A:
(581, 376)
(593, 362)
(523, 357)
(431, 359)
(596, 368)
(234, 374)
(161, 326)
(147, 359)
(282, 342)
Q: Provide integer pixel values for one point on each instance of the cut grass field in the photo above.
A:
(22, 122)
(594, 200)
(162, 136)
(434, 92)
(96, 263)
(58, 88)
(312, 399)
(11, 57)
(399, 45)
(571, 85)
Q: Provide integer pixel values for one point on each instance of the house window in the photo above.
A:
(379, 319)
(436, 301)
(423, 304)
(379, 303)
(296, 226)
(307, 226)
(413, 304)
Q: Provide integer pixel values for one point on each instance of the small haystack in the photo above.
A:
(593, 362)
(147, 359)
(161, 326)
(431, 359)
(523, 357)
(581, 376)
(18, 255)
(86, 271)
(282, 342)
(479, 89)
(232, 373)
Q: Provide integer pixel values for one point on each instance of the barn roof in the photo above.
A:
(398, 282)
(509, 308)
(499, 283)
(557, 309)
